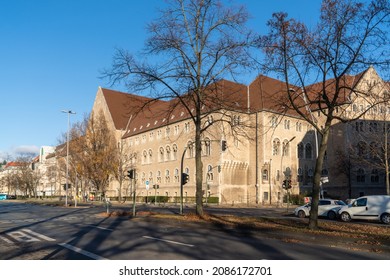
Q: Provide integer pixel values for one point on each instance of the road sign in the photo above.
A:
(324, 180)
(147, 184)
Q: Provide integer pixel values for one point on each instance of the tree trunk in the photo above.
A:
(198, 167)
(313, 220)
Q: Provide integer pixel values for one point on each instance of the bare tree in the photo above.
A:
(193, 45)
(348, 38)
(95, 151)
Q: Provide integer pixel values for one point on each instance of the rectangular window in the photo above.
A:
(265, 196)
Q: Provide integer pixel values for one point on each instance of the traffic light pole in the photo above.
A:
(181, 181)
(133, 189)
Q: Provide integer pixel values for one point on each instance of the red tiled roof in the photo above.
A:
(265, 93)
(122, 106)
(15, 164)
(146, 113)
(344, 89)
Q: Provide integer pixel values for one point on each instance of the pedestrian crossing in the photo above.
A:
(23, 236)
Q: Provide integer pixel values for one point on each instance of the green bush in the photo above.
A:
(211, 199)
(296, 199)
(157, 199)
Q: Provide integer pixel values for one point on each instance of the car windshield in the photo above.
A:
(340, 202)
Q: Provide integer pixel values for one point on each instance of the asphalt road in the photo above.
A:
(30, 231)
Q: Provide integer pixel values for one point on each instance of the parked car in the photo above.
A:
(326, 208)
(11, 196)
(373, 207)
(3, 196)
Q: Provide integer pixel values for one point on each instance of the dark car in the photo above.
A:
(11, 196)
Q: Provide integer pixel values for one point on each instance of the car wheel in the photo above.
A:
(345, 217)
(385, 218)
(301, 214)
(331, 215)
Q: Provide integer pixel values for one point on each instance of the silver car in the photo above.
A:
(326, 208)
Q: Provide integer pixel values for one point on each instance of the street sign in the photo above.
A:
(324, 180)
(147, 184)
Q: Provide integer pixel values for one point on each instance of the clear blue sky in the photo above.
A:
(52, 52)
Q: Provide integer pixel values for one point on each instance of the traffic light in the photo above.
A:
(289, 186)
(184, 178)
(284, 184)
(130, 173)
(223, 145)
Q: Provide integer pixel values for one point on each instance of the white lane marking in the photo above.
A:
(25, 235)
(81, 251)
(21, 236)
(38, 235)
(6, 240)
(102, 228)
(168, 241)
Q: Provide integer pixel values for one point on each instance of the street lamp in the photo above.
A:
(67, 155)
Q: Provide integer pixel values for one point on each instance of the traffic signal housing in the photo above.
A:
(184, 178)
(286, 184)
(131, 173)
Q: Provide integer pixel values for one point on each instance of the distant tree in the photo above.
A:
(348, 38)
(192, 46)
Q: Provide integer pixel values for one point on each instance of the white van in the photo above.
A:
(372, 207)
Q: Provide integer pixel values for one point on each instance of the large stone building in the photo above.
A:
(266, 144)
(275, 143)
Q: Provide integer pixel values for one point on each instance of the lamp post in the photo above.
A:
(67, 155)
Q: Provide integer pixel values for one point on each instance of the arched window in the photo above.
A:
(167, 176)
(144, 157)
(210, 175)
(374, 176)
(187, 127)
(308, 151)
(361, 148)
(150, 156)
(158, 177)
(287, 124)
(150, 177)
(177, 176)
(143, 178)
(275, 147)
(300, 174)
(360, 176)
(167, 153)
(207, 147)
(374, 150)
(300, 150)
(210, 119)
(190, 149)
(373, 127)
(265, 174)
(161, 154)
(174, 152)
(286, 148)
(274, 121)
